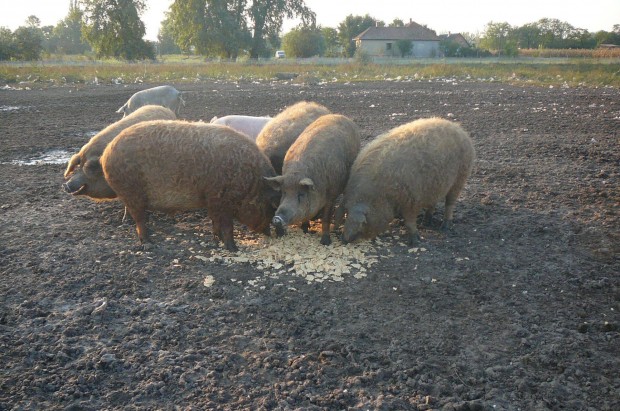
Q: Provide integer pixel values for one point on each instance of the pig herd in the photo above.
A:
(302, 164)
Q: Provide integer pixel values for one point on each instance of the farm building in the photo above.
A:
(385, 41)
(456, 38)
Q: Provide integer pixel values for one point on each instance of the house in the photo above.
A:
(456, 38)
(383, 41)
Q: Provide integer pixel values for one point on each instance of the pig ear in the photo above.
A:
(307, 183)
(274, 182)
(74, 162)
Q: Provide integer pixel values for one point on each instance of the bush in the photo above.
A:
(362, 57)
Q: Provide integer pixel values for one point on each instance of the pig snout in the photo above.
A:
(73, 187)
(279, 222)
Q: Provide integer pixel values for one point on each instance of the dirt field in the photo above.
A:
(518, 308)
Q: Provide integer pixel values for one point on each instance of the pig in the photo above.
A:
(282, 131)
(166, 96)
(315, 172)
(173, 166)
(84, 176)
(403, 171)
(248, 125)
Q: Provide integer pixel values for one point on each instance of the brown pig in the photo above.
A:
(84, 174)
(282, 130)
(315, 172)
(409, 168)
(175, 166)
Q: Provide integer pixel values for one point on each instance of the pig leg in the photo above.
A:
(223, 227)
(217, 229)
(305, 227)
(411, 216)
(140, 217)
(428, 216)
(338, 216)
(451, 197)
(325, 223)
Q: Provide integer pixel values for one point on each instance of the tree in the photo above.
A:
(28, 40)
(210, 27)
(165, 37)
(303, 42)
(528, 35)
(331, 41)
(553, 32)
(397, 23)
(608, 37)
(351, 27)
(266, 18)
(33, 21)
(495, 36)
(7, 44)
(113, 28)
(67, 35)
(405, 47)
(225, 27)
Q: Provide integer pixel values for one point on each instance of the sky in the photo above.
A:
(455, 16)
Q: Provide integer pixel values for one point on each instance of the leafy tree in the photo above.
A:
(405, 47)
(224, 27)
(33, 21)
(266, 18)
(495, 36)
(608, 37)
(67, 35)
(351, 27)
(210, 27)
(7, 44)
(28, 42)
(165, 37)
(230, 31)
(397, 23)
(332, 43)
(50, 42)
(553, 32)
(188, 25)
(510, 48)
(528, 35)
(303, 42)
(114, 29)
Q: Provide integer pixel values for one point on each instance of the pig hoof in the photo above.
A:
(232, 247)
(148, 247)
(305, 227)
(447, 226)
(414, 240)
(325, 240)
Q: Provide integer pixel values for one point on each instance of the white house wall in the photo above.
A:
(378, 48)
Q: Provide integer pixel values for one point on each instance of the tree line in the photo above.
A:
(234, 28)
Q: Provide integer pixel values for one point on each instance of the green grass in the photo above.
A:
(528, 71)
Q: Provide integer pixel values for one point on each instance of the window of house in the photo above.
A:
(388, 46)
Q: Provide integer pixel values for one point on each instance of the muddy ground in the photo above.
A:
(518, 308)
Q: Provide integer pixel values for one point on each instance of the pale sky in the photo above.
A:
(456, 16)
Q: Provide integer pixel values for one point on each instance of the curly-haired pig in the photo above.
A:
(84, 175)
(315, 172)
(403, 171)
(282, 131)
(172, 166)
